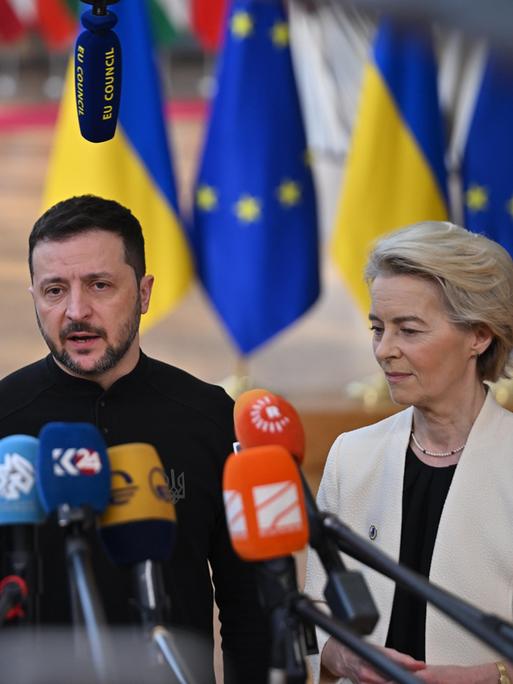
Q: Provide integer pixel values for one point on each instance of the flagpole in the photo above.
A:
(242, 368)
(240, 380)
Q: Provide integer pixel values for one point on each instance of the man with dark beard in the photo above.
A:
(90, 287)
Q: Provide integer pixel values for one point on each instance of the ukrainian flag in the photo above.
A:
(487, 167)
(134, 168)
(395, 173)
(255, 219)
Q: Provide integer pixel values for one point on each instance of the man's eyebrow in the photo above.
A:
(87, 277)
(399, 319)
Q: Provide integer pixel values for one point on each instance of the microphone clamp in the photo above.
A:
(100, 6)
(72, 515)
(98, 23)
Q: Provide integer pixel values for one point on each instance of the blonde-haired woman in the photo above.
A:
(432, 485)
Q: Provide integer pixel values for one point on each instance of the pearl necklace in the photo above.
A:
(438, 454)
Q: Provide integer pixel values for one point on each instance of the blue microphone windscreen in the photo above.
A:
(19, 498)
(97, 77)
(73, 467)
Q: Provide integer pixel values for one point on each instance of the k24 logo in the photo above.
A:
(76, 462)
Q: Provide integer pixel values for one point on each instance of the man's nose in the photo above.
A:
(78, 305)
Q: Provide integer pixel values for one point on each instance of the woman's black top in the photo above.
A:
(424, 491)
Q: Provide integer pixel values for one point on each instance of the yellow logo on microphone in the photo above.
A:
(139, 490)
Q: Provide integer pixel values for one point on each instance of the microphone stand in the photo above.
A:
(87, 609)
(13, 592)
(303, 606)
(279, 587)
(149, 586)
(346, 592)
(277, 580)
(491, 629)
(19, 589)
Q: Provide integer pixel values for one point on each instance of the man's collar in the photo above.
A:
(86, 386)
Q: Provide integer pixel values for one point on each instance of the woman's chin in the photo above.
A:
(400, 396)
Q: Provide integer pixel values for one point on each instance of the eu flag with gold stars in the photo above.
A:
(255, 220)
(487, 168)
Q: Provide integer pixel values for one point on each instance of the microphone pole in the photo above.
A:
(491, 629)
(87, 608)
(292, 639)
(138, 529)
(261, 418)
(267, 522)
(303, 606)
(149, 589)
(346, 592)
(19, 588)
(20, 513)
(296, 605)
(13, 593)
(74, 482)
(328, 534)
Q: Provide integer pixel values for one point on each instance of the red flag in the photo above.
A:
(207, 19)
(11, 28)
(56, 23)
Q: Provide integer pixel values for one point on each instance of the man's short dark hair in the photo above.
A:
(87, 212)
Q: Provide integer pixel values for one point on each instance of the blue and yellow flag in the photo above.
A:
(255, 220)
(395, 173)
(134, 168)
(487, 167)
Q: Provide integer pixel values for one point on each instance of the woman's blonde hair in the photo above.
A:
(474, 274)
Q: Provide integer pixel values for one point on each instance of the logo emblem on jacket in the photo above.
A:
(176, 486)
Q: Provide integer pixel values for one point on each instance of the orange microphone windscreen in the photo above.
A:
(264, 503)
(248, 397)
(262, 417)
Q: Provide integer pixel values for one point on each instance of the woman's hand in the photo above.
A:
(339, 661)
(454, 674)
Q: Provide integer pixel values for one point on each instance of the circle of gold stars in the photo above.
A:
(206, 198)
(476, 198)
(280, 34)
(289, 193)
(241, 24)
(248, 209)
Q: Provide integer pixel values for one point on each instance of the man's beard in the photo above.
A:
(112, 355)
